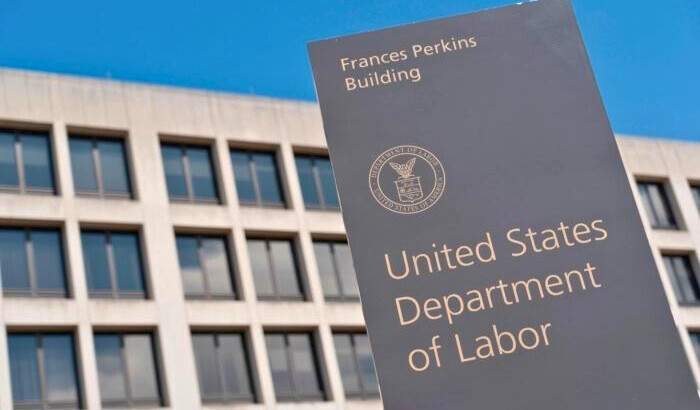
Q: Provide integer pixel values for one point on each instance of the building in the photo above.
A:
(175, 248)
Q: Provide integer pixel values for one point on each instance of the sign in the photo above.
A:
(500, 255)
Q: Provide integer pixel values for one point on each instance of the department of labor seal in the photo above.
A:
(406, 179)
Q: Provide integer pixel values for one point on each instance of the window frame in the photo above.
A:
(252, 168)
(97, 164)
(44, 404)
(343, 297)
(363, 394)
(115, 293)
(208, 295)
(277, 297)
(674, 221)
(21, 187)
(296, 397)
(253, 398)
(33, 291)
(673, 276)
(130, 402)
(187, 174)
(317, 184)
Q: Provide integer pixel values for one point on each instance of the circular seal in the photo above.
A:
(407, 179)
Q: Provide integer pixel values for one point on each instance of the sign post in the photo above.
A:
(500, 255)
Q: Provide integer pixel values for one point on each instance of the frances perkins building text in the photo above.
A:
(376, 70)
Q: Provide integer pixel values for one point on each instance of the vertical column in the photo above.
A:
(225, 176)
(87, 363)
(335, 382)
(76, 267)
(87, 367)
(289, 172)
(62, 166)
(262, 365)
(310, 268)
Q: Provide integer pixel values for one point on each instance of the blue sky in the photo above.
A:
(645, 54)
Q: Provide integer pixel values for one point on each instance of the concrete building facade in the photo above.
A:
(281, 335)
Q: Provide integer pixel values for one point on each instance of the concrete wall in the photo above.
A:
(148, 114)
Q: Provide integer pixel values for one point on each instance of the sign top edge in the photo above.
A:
(318, 42)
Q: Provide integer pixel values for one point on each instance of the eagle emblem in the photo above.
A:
(408, 186)
(405, 170)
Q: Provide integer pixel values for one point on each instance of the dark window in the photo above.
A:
(43, 371)
(336, 270)
(127, 369)
(205, 266)
(223, 368)
(695, 339)
(696, 194)
(31, 262)
(275, 269)
(99, 167)
(294, 365)
(683, 279)
(657, 205)
(189, 173)
(356, 364)
(25, 162)
(257, 178)
(317, 182)
(113, 264)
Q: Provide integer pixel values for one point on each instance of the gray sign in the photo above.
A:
(501, 258)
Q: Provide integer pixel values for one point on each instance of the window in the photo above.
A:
(205, 266)
(696, 194)
(275, 269)
(99, 167)
(294, 366)
(31, 262)
(657, 205)
(25, 162)
(356, 364)
(222, 367)
(683, 279)
(317, 182)
(257, 178)
(127, 369)
(43, 371)
(189, 173)
(113, 264)
(336, 270)
(695, 339)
